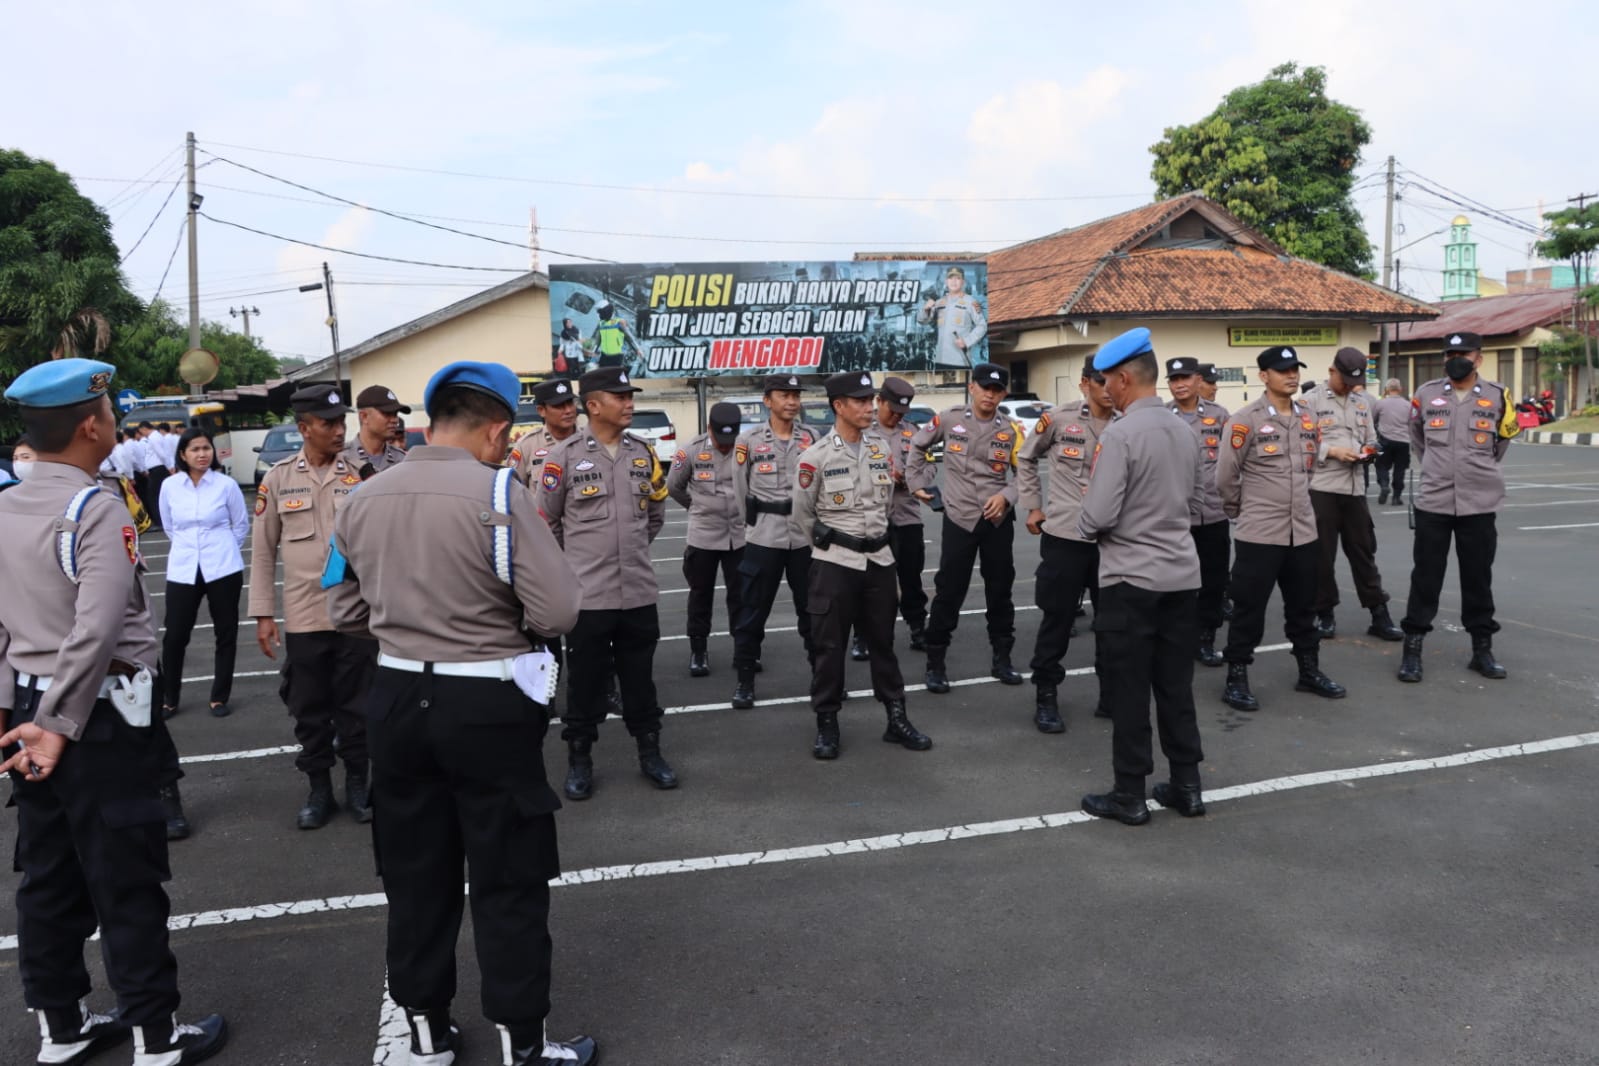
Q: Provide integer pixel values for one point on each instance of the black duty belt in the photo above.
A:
(824, 536)
(771, 506)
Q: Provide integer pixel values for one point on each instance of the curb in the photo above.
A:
(1584, 440)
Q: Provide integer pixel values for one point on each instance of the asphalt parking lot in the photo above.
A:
(1407, 876)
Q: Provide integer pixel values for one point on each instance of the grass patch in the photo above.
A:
(1572, 425)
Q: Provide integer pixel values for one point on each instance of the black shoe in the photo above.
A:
(699, 664)
(168, 710)
(652, 764)
(579, 769)
(827, 743)
(74, 1035)
(1186, 800)
(1312, 680)
(172, 807)
(744, 691)
(1326, 625)
(613, 701)
(918, 638)
(1410, 659)
(1002, 669)
(1046, 713)
(319, 805)
(857, 650)
(1382, 624)
(1382, 497)
(221, 710)
(1206, 654)
(935, 677)
(1101, 711)
(757, 668)
(1482, 658)
(537, 1051)
(155, 1045)
(1122, 806)
(900, 731)
(435, 1038)
(1236, 692)
(358, 793)
(1395, 500)
(1227, 609)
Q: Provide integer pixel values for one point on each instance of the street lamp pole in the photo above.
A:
(326, 285)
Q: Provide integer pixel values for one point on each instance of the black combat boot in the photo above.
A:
(857, 649)
(1236, 693)
(918, 637)
(169, 1043)
(74, 1035)
(1397, 490)
(1001, 667)
(699, 663)
(579, 769)
(1128, 808)
(1482, 657)
(1382, 497)
(532, 1048)
(172, 807)
(320, 804)
(1046, 714)
(1186, 800)
(1206, 654)
(1312, 680)
(828, 743)
(1410, 659)
(652, 763)
(936, 680)
(1326, 625)
(900, 731)
(1382, 624)
(435, 1038)
(744, 691)
(358, 792)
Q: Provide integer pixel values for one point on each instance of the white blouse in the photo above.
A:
(207, 524)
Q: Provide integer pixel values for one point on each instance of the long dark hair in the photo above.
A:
(190, 435)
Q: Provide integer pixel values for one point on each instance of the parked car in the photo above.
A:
(281, 442)
(817, 414)
(1027, 412)
(920, 413)
(751, 408)
(655, 426)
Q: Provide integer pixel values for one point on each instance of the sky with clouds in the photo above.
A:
(700, 131)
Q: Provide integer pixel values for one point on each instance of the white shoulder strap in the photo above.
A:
(67, 538)
(502, 534)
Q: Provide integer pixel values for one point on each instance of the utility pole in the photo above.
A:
(1582, 198)
(533, 236)
(333, 325)
(1387, 272)
(195, 199)
(246, 312)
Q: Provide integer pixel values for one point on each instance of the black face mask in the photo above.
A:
(1459, 367)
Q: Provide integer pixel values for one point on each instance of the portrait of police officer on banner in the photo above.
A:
(957, 320)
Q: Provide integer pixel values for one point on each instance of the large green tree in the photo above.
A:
(1281, 155)
(157, 339)
(1574, 237)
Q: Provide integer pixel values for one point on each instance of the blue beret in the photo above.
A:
(61, 383)
(492, 378)
(1133, 343)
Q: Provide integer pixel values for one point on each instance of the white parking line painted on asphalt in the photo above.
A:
(1552, 503)
(1574, 525)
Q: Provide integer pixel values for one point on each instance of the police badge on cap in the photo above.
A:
(990, 376)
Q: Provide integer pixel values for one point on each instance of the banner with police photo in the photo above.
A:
(687, 320)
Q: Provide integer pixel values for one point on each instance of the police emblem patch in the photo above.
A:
(643, 464)
(1481, 438)
(590, 489)
(1485, 403)
(956, 446)
(807, 474)
(838, 497)
(703, 457)
(998, 468)
(1071, 452)
(741, 454)
(704, 475)
(1207, 421)
(552, 476)
(130, 541)
(351, 479)
(1270, 449)
(261, 500)
(1437, 423)
(293, 505)
(586, 464)
(765, 468)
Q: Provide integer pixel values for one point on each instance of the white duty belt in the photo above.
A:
(42, 684)
(497, 669)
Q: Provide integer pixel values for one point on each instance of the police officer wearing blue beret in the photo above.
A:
(87, 759)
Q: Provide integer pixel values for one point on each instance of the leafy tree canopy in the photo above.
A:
(1282, 156)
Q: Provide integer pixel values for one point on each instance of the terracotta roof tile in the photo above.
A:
(1493, 316)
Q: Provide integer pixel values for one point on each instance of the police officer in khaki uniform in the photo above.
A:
(1461, 425)
(326, 673)
(377, 414)
(842, 496)
(1147, 478)
(87, 758)
(1208, 419)
(458, 772)
(1063, 442)
(774, 552)
(957, 320)
(904, 514)
(604, 494)
(703, 480)
(556, 402)
(1264, 478)
(980, 449)
(1338, 496)
(1209, 382)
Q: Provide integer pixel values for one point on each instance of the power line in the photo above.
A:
(1460, 199)
(181, 227)
(688, 192)
(140, 180)
(159, 212)
(362, 255)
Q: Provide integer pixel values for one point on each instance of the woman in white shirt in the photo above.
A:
(204, 516)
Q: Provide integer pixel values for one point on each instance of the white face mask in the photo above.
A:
(22, 468)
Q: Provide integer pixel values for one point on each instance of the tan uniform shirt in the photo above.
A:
(50, 627)
(849, 489)
(605, 512)
(766, 464)
(1345, 422)
(530, 451)
(977, 457)
(357, 456)
(1460, 439)
(1209, 421)
(1264, 473)
(422, 537)
(703, 480)
(905, 509)
(294, 510)
(1393, 419)
(1146, 479)
(1064, 442)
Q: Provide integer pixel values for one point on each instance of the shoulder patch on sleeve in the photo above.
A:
(1043, 424)
(552, 477)
(1240, 434)
(741, 453)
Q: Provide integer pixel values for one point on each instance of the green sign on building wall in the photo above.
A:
(1308, 336)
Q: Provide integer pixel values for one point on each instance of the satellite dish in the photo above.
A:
(198, 366)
